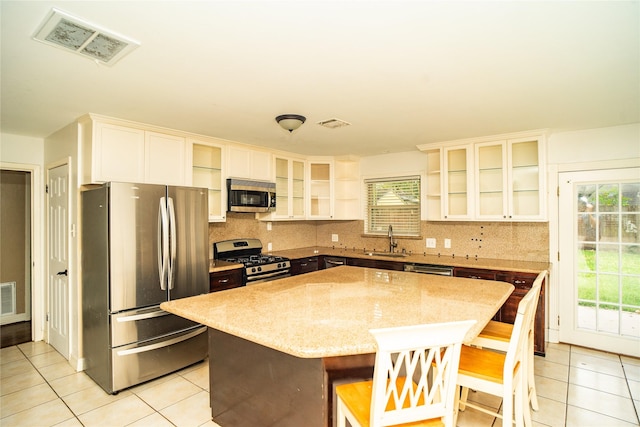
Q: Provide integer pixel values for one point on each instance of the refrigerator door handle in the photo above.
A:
(163, 343)
(163, 246)
(142, 316)
(172, 240)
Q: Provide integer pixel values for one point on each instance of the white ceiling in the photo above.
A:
(402, 73)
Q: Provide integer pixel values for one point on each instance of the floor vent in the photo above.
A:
(62, 30)
(7, 298)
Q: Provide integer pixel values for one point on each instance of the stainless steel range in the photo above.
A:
(258, 267)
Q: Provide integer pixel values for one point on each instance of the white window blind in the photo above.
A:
(393, 201)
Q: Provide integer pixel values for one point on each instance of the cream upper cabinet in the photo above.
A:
(206, 162)
(290, 176)
(347, 189)
(498, 178)
(247, 163)
(164, 159)
(320, 184)
(116, 152)
(111, 153)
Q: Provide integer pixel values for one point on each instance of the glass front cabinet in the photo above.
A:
(487, 179)
(290, 188)
(206, 171)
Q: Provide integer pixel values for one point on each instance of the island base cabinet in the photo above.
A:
(254, 385)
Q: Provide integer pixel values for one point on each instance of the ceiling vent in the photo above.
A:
(333, 123)
(62, 30)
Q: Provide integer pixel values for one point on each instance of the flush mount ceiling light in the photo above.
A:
(65, 31)
(290, 122)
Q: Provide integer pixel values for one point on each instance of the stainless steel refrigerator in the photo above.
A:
(142, 245)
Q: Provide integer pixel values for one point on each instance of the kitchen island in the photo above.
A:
(276, 348)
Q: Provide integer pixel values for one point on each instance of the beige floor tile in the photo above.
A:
(73, 383)
(471, 417)
(33, 348)
(190, 412)
(634, 387)
(485, 399)
(140, 387)
(155, 420)
(119, 413)
(91, 398)
(45, 414)
(71, 422)
(47, 359)
(598, 381)
(612, 357)
(579, 417)
(551, 412)
(199, 377)
(21, 381)
(210, 423)
(556, 371)
(555, 355)
(557, 346)
(628, 360)
(632, 372)
(10, 354)
(26, 399)
(591, 363)
(601, 402)
(18, 367)
(166, 393)
(551, 389)
(57, 370)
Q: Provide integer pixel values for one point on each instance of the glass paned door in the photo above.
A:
(600, 259)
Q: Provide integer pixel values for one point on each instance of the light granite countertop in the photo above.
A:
(446, 260)
(329, 312)
(419, 258)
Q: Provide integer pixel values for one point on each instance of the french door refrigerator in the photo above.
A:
(142, 244)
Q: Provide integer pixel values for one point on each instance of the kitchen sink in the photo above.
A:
(388, 254)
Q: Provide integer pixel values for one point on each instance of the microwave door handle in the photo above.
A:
(172, 244)
(163, 247)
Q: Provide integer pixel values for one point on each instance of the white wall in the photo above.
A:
(21, 149)
(394, 164)
(594, 145)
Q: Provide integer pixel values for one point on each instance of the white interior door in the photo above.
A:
(599, 244)
(58, 264)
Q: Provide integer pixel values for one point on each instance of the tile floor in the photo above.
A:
(576, 387)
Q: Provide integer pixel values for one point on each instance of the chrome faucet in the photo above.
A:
(392, 244)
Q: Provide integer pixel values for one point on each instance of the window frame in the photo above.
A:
(411, 227)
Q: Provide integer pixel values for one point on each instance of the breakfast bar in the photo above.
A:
(276, 348)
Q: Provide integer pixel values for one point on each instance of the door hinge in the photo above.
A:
(46, 188)
(558, 255)
(558, 320)
(46, 317)
(558, 190)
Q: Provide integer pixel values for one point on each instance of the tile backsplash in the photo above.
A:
(526, 241)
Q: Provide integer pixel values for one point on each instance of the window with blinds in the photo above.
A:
(393, 201)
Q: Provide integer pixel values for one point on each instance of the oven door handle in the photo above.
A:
(282, 273)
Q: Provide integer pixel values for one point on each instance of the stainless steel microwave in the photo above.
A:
(250, 196)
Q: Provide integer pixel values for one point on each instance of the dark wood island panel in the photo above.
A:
(254, 385)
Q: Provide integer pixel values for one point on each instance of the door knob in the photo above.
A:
(63, 273)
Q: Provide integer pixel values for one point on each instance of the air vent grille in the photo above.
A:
(65, 31)
(333, 123)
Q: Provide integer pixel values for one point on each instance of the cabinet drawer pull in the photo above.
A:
(223, 280)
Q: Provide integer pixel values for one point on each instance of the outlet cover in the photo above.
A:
(431, 242)
(334, 237)
(269, 226)
(269, 247)
(447, 243)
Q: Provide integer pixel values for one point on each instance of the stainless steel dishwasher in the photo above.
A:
(331, 261)
(441, 270)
